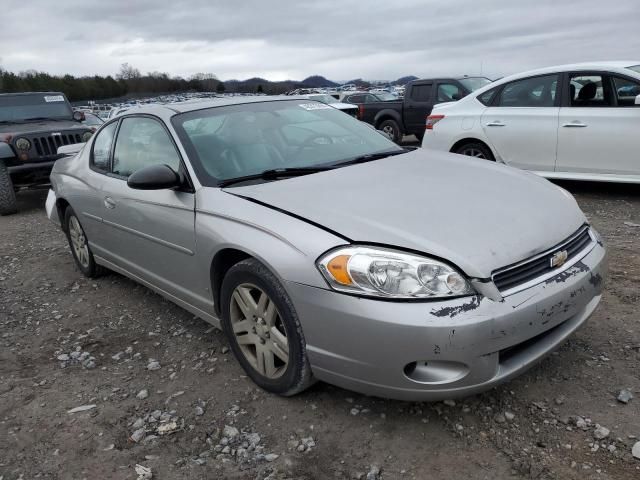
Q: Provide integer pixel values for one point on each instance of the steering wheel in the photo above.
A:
(309, 142)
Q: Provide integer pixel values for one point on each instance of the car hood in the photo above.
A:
(473, 213)
(43, 126)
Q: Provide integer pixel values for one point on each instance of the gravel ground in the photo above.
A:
(103, 379)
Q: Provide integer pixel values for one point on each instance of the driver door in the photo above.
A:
(149, 233)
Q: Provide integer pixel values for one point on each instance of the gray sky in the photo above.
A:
(340, 39)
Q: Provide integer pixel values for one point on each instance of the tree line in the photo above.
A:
(128, 81)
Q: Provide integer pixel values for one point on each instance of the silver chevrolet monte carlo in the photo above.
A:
(327, 252)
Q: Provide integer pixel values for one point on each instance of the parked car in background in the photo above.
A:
(577, 122)
(32, 127)
(327, 99)
(264, 216)
(92, 121)
(408, 116)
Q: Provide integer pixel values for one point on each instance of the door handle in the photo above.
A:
(575, 125)
(495, 123)
(109, 203)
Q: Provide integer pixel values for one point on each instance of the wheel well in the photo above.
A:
(61, 205)
(464, 141)
(222, 262)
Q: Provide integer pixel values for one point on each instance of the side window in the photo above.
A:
(626, 91)
(102, 147)
(449, 92)
(530, 92)
(370, 99)
(589, 91)
(142, 142)
(421, 93)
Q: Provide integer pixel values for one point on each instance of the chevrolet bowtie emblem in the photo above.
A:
(558, 258)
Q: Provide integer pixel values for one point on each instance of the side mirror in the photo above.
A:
(154, 177)
(637, 101)
(457, 96)
(385, 134)
(78, 116)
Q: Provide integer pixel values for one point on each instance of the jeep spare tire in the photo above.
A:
(8, 204)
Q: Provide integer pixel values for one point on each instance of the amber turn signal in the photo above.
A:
(337, 267)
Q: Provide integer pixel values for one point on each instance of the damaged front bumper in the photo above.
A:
(437, 350)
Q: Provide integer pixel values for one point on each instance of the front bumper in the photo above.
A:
(438, 350)
(46, 165)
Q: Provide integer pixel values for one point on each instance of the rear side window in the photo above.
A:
(102, 147)
(421, 93)
(530, 92)
(626, 91)
(355, 99)
(487, 97)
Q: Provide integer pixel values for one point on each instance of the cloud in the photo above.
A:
(339, 39)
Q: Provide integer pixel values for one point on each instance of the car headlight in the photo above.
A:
(22, 144)
(86, 136)
(386, 273)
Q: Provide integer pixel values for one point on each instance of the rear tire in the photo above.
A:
(8, 204)
(79, 245)
(263, 330)
(476, 150)
(391, 128)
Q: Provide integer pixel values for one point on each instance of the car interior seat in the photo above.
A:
(244, 134)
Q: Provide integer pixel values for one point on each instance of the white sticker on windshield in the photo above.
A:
(314, 106)
(53, 98)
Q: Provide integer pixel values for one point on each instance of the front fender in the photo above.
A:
(287, 245)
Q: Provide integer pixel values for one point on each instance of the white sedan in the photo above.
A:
(578, 122)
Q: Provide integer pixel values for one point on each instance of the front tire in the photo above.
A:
(262, 326)
(476, 150)
(8, 204)
(79, 245)
(391, 128)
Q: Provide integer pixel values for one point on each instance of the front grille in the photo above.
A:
(48, 145)
(540, 265)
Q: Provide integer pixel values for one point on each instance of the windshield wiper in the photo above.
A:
(274, 174)
(369, 157)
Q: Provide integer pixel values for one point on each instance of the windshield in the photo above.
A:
(240, 140)
(18, 108)
(324, 98)
(474, 83)
(385, 97)
(635, 68)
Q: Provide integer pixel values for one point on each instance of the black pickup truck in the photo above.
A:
(408, 116)
(32, 127)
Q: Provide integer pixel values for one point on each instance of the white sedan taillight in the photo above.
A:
(432, 120)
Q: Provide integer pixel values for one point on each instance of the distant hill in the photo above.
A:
(317, 81)
(255, 84)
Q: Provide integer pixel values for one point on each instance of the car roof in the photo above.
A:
(614, 66)
(171, 109)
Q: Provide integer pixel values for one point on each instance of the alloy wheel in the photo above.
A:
(473, 152)
(79, 242)
(259, 330)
